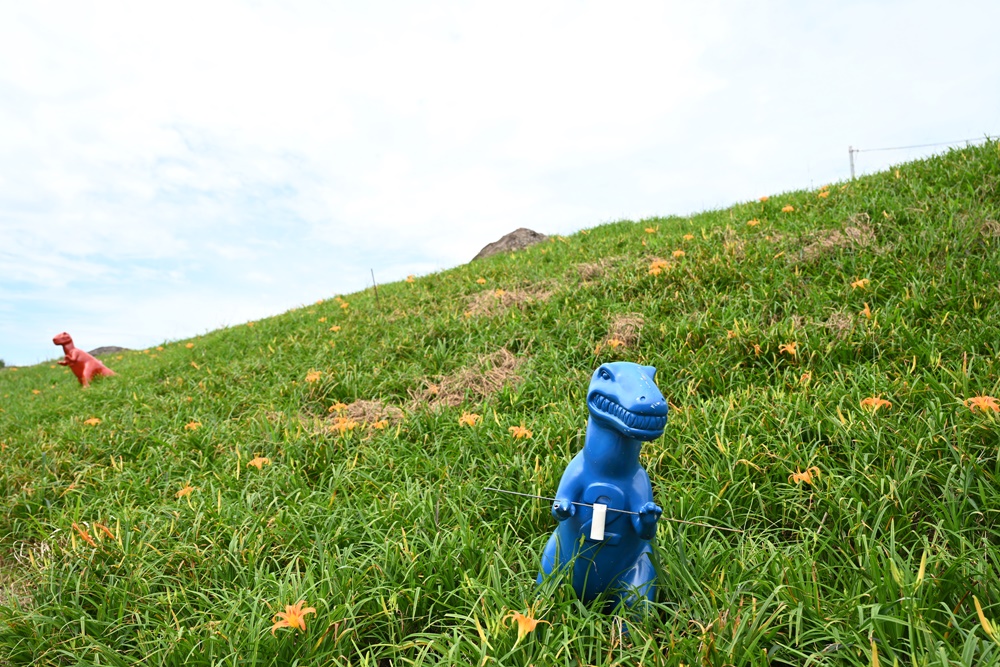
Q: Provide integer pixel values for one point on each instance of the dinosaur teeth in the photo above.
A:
(628, 418)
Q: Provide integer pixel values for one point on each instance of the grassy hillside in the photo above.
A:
(330, 454)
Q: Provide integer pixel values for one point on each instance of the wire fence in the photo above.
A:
(851, 150)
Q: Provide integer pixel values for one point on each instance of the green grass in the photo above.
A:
(389, 534)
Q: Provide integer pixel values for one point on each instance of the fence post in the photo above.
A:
(850, 153)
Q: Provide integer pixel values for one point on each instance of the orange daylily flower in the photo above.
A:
(756, 350)
(322, 319)
(84, 535)
(787, 209)
(294, 616)
(874, 402)
(764, 199)
(344, 305)
(192, 426)
(410, 279)
(867, 312)
(519, 432)
(186, 491)
(823, 194)
(250, 324)
(469, 419)
(688, 237)
(93, 421)
(259, 462)
(314, 376)
(789, 348)
(525, 623)
(189, 345)
(104, 529)
(678, 253)
(984, 403)
(335, 328)
(860, 284)
(650, 230)
(753, 223)
(657, 266)
(343, 424)
(615, 343)
(36, 392)
(337, 407)
(381, 424)
(499, 293)
(481, 281)
(804, 476)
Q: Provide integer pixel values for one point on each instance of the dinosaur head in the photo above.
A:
(62, 339)
(623, 396)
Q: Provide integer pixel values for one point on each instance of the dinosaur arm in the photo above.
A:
(570, 488)
(649, 512)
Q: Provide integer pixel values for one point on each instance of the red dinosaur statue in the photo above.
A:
(83, 365)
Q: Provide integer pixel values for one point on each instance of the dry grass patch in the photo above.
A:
(623, 331)
(370, 413)
(840, 323)
(990, 229)
(591, 271)
(856, 233)
(491, 303)
(487, 377)
(359, 415)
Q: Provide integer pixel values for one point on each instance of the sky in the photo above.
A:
(167, 169)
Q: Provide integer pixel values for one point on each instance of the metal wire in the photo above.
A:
(612, 509)
(941, 143)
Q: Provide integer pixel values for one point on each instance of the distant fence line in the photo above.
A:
(851, 150)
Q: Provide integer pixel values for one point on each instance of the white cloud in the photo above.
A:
(208, 161)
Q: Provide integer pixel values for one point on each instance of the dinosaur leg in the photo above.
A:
(638, 583)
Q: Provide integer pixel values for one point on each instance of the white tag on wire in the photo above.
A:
(597, 524)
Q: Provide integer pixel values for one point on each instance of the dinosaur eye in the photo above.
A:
(605, 375)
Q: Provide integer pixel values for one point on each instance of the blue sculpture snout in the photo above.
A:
(627, 401)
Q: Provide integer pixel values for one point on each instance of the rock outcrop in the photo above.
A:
(517, 239)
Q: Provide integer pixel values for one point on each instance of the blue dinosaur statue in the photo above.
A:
(626, 409)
